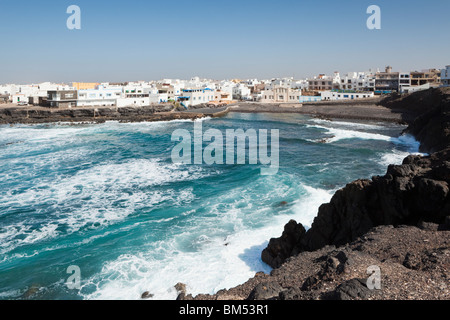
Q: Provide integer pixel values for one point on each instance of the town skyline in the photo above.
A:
(245, 40)
(194, 76)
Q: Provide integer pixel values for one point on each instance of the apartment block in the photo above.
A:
(387, 81)
(62, 98)
(431, 76)
(320, 83)
(281, 94)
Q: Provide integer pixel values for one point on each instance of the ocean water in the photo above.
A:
(108, 199)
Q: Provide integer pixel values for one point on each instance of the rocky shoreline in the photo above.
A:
(399, 222)
(36, 115)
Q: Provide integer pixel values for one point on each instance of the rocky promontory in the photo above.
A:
(416, 191)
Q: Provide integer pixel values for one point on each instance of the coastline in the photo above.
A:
(398, 223)
(40, 115)
(369, 110)
(328, 253)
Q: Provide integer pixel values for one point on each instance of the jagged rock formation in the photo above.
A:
(417, 190)
(414, 263)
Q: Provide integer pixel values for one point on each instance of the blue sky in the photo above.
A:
(145, 40)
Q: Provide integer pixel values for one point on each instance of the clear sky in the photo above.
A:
(149, 40)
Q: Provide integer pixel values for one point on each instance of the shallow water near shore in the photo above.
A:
(108, 198)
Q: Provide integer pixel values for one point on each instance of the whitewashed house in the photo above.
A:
(100, 96)
(345, 95)
(196, 96)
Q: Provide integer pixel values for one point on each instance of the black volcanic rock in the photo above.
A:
(428, 115)
(415, 192)
(408, 194)
(350, 290)
(279, 249)
(266, 291)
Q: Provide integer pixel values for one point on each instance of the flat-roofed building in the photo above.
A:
(281, 94)
(431, 76)
(62, 98)
(387, 81)
(320, 83)
(196, 96)
(84, 85)
(100, 96)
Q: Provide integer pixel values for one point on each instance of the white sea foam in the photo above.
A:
(306, 208)
(217, 262)
(353, 125)
(396, 156)
(338, 134)
(98, 196)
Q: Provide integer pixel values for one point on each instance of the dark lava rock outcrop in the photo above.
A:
(416, 191)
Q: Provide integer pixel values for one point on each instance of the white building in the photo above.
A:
(222, 96)
(345, 95)
(300, 84)
(242, 92)
(139, 102)
(281, 95)
(358, 81)
(445, 76)
(196, 96)
(99, 97)
(23, 93)
(404, 81)
(411, 89)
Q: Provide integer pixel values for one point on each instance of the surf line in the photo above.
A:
(191, 150)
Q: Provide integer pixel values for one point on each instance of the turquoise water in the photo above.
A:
(108, 199)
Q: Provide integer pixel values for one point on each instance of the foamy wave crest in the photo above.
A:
(341, 134)
(97, 197)
(201, 256)
(408, 141)
(353, 125)
(396, 156)
(307, 207)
